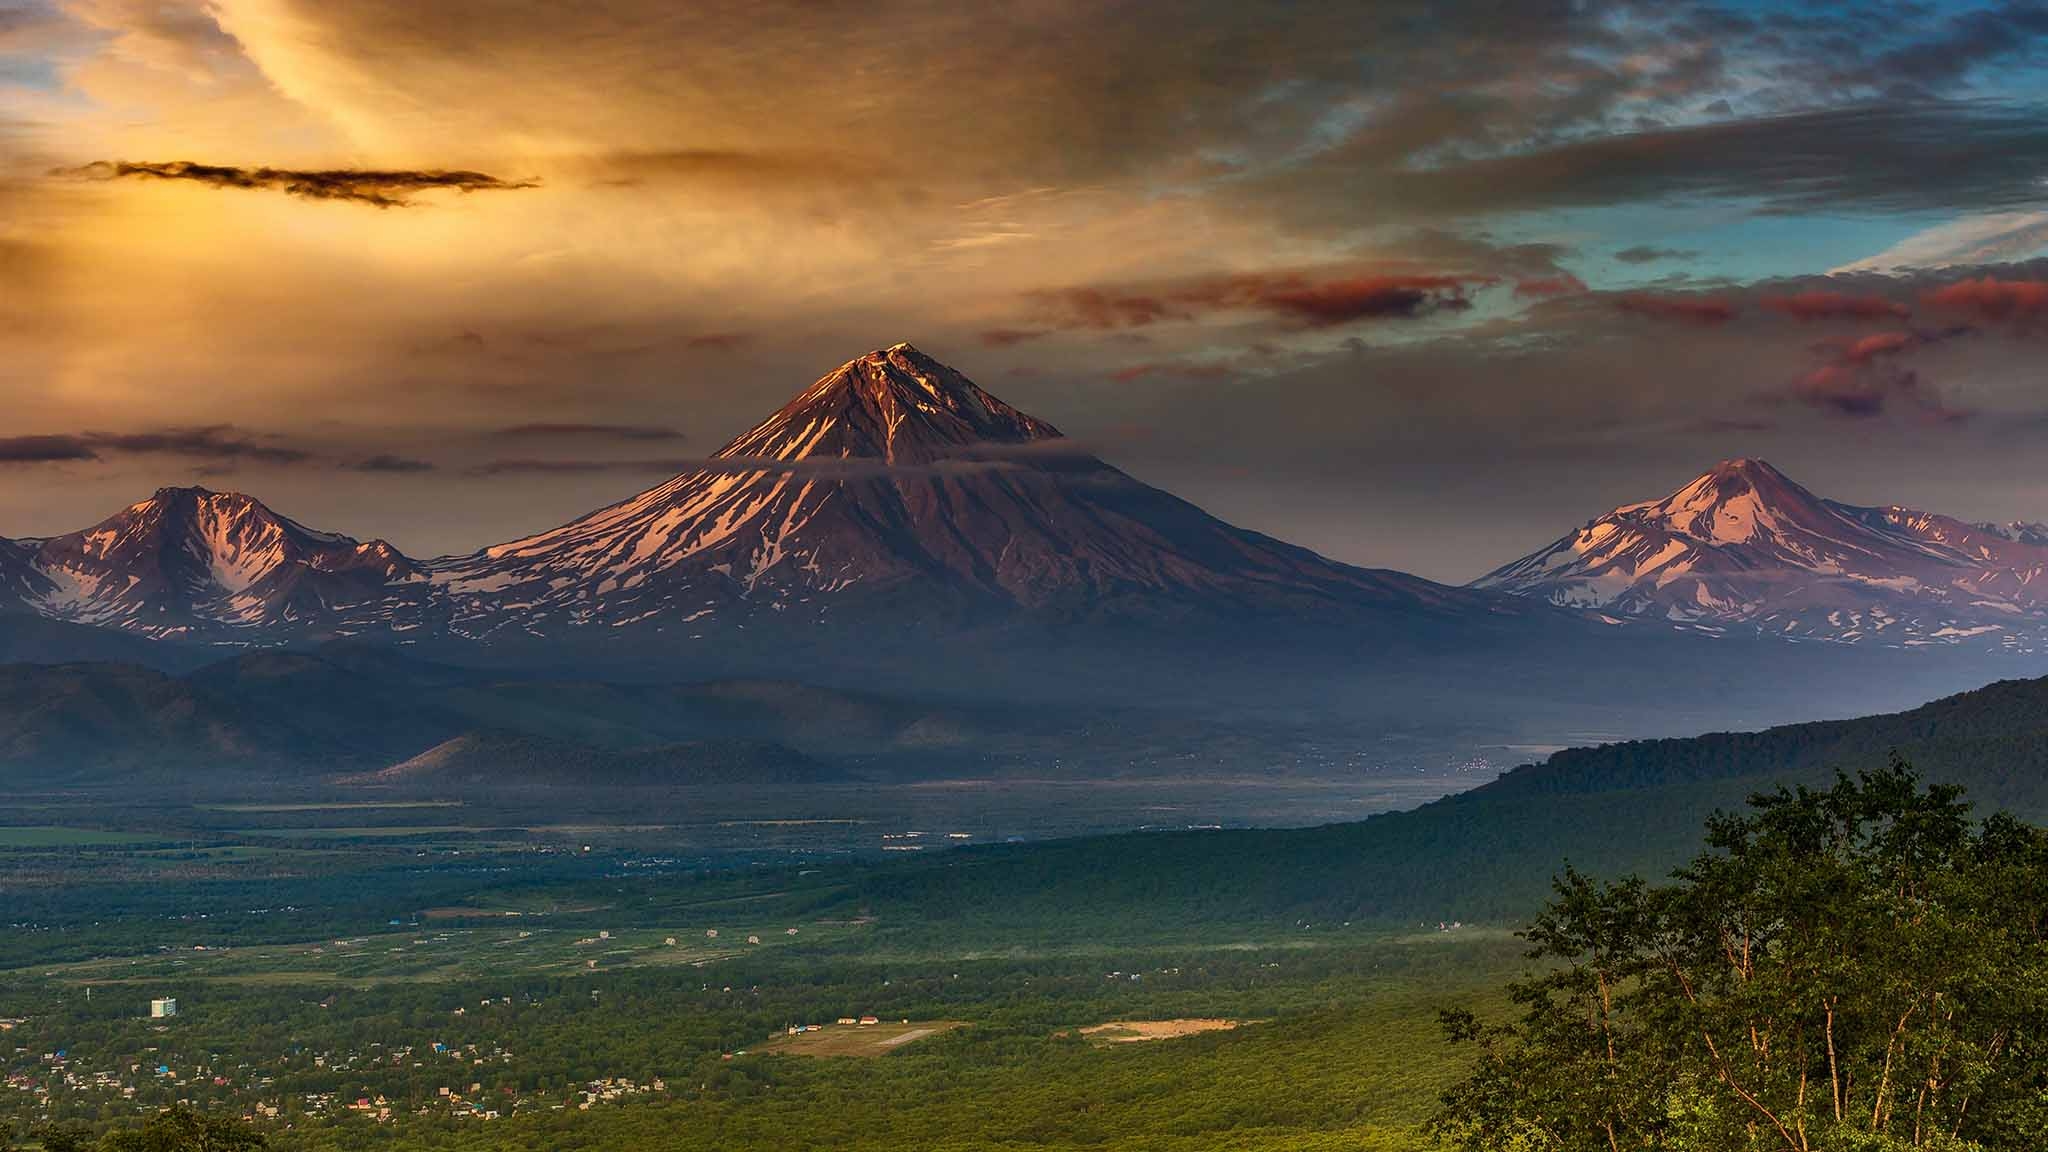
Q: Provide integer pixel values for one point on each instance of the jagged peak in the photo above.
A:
(194, 495)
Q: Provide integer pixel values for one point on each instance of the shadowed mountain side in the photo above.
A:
(61, 723)
(1520, 680)
(31, 639)
(1484, 854)
(1090, 700)
(298, 718)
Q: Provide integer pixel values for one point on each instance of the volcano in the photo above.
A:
(1745, 547)
(896, 484)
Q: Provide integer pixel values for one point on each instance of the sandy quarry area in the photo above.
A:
(1129, 1031)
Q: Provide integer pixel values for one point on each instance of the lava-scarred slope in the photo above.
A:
(896, 480)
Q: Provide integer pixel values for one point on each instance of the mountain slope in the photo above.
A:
(1489, 853)
(1743, 546)
(192, 564)
(896, 480)
(86, 721)
(20, 583)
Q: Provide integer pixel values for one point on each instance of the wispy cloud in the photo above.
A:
(44, 449)
(389, 463)
(1650, 254)
(378, 187)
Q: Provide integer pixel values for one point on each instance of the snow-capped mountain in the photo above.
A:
(192, 564)
(1743, 546)
(894, 480)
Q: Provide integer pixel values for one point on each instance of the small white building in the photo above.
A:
(163, 1009)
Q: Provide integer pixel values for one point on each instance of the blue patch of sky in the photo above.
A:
(1725, 242)
(29, 72)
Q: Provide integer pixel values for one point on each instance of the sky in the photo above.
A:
(1418, 285)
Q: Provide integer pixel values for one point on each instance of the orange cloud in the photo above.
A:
(1707, 311)
(1993, 299)
(1824, 305)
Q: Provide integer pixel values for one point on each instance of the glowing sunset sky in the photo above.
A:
(1417, 285)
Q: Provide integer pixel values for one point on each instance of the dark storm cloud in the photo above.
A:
(1649, 254)
(1865, 158)
(1952, 51)
(44, 449)
(1302, 300)
(218, 442)
(381, 188)
(389, 463)
(217, 445)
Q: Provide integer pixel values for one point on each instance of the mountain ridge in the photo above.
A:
(1744, 546)
(895, 497)
(222, 566)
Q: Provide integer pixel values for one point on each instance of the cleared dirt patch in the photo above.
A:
(856, 1039)
(1132, 1031)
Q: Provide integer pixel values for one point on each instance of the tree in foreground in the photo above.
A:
(1859, 969)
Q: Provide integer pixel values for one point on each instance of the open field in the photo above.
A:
(1133, 1031)
(856, 1039)
(332, 806)
(322, 954)
(47, 836)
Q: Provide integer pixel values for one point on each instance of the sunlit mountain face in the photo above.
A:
(1743, 546)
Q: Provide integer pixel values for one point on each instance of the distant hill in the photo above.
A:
(518, 760)
(65, 722)
(275, 718)
(1484, 854)
(304, 717)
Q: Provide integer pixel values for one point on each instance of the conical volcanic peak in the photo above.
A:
(893, 481)
(895, 405)
(1737, 500)
(1745, 544)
